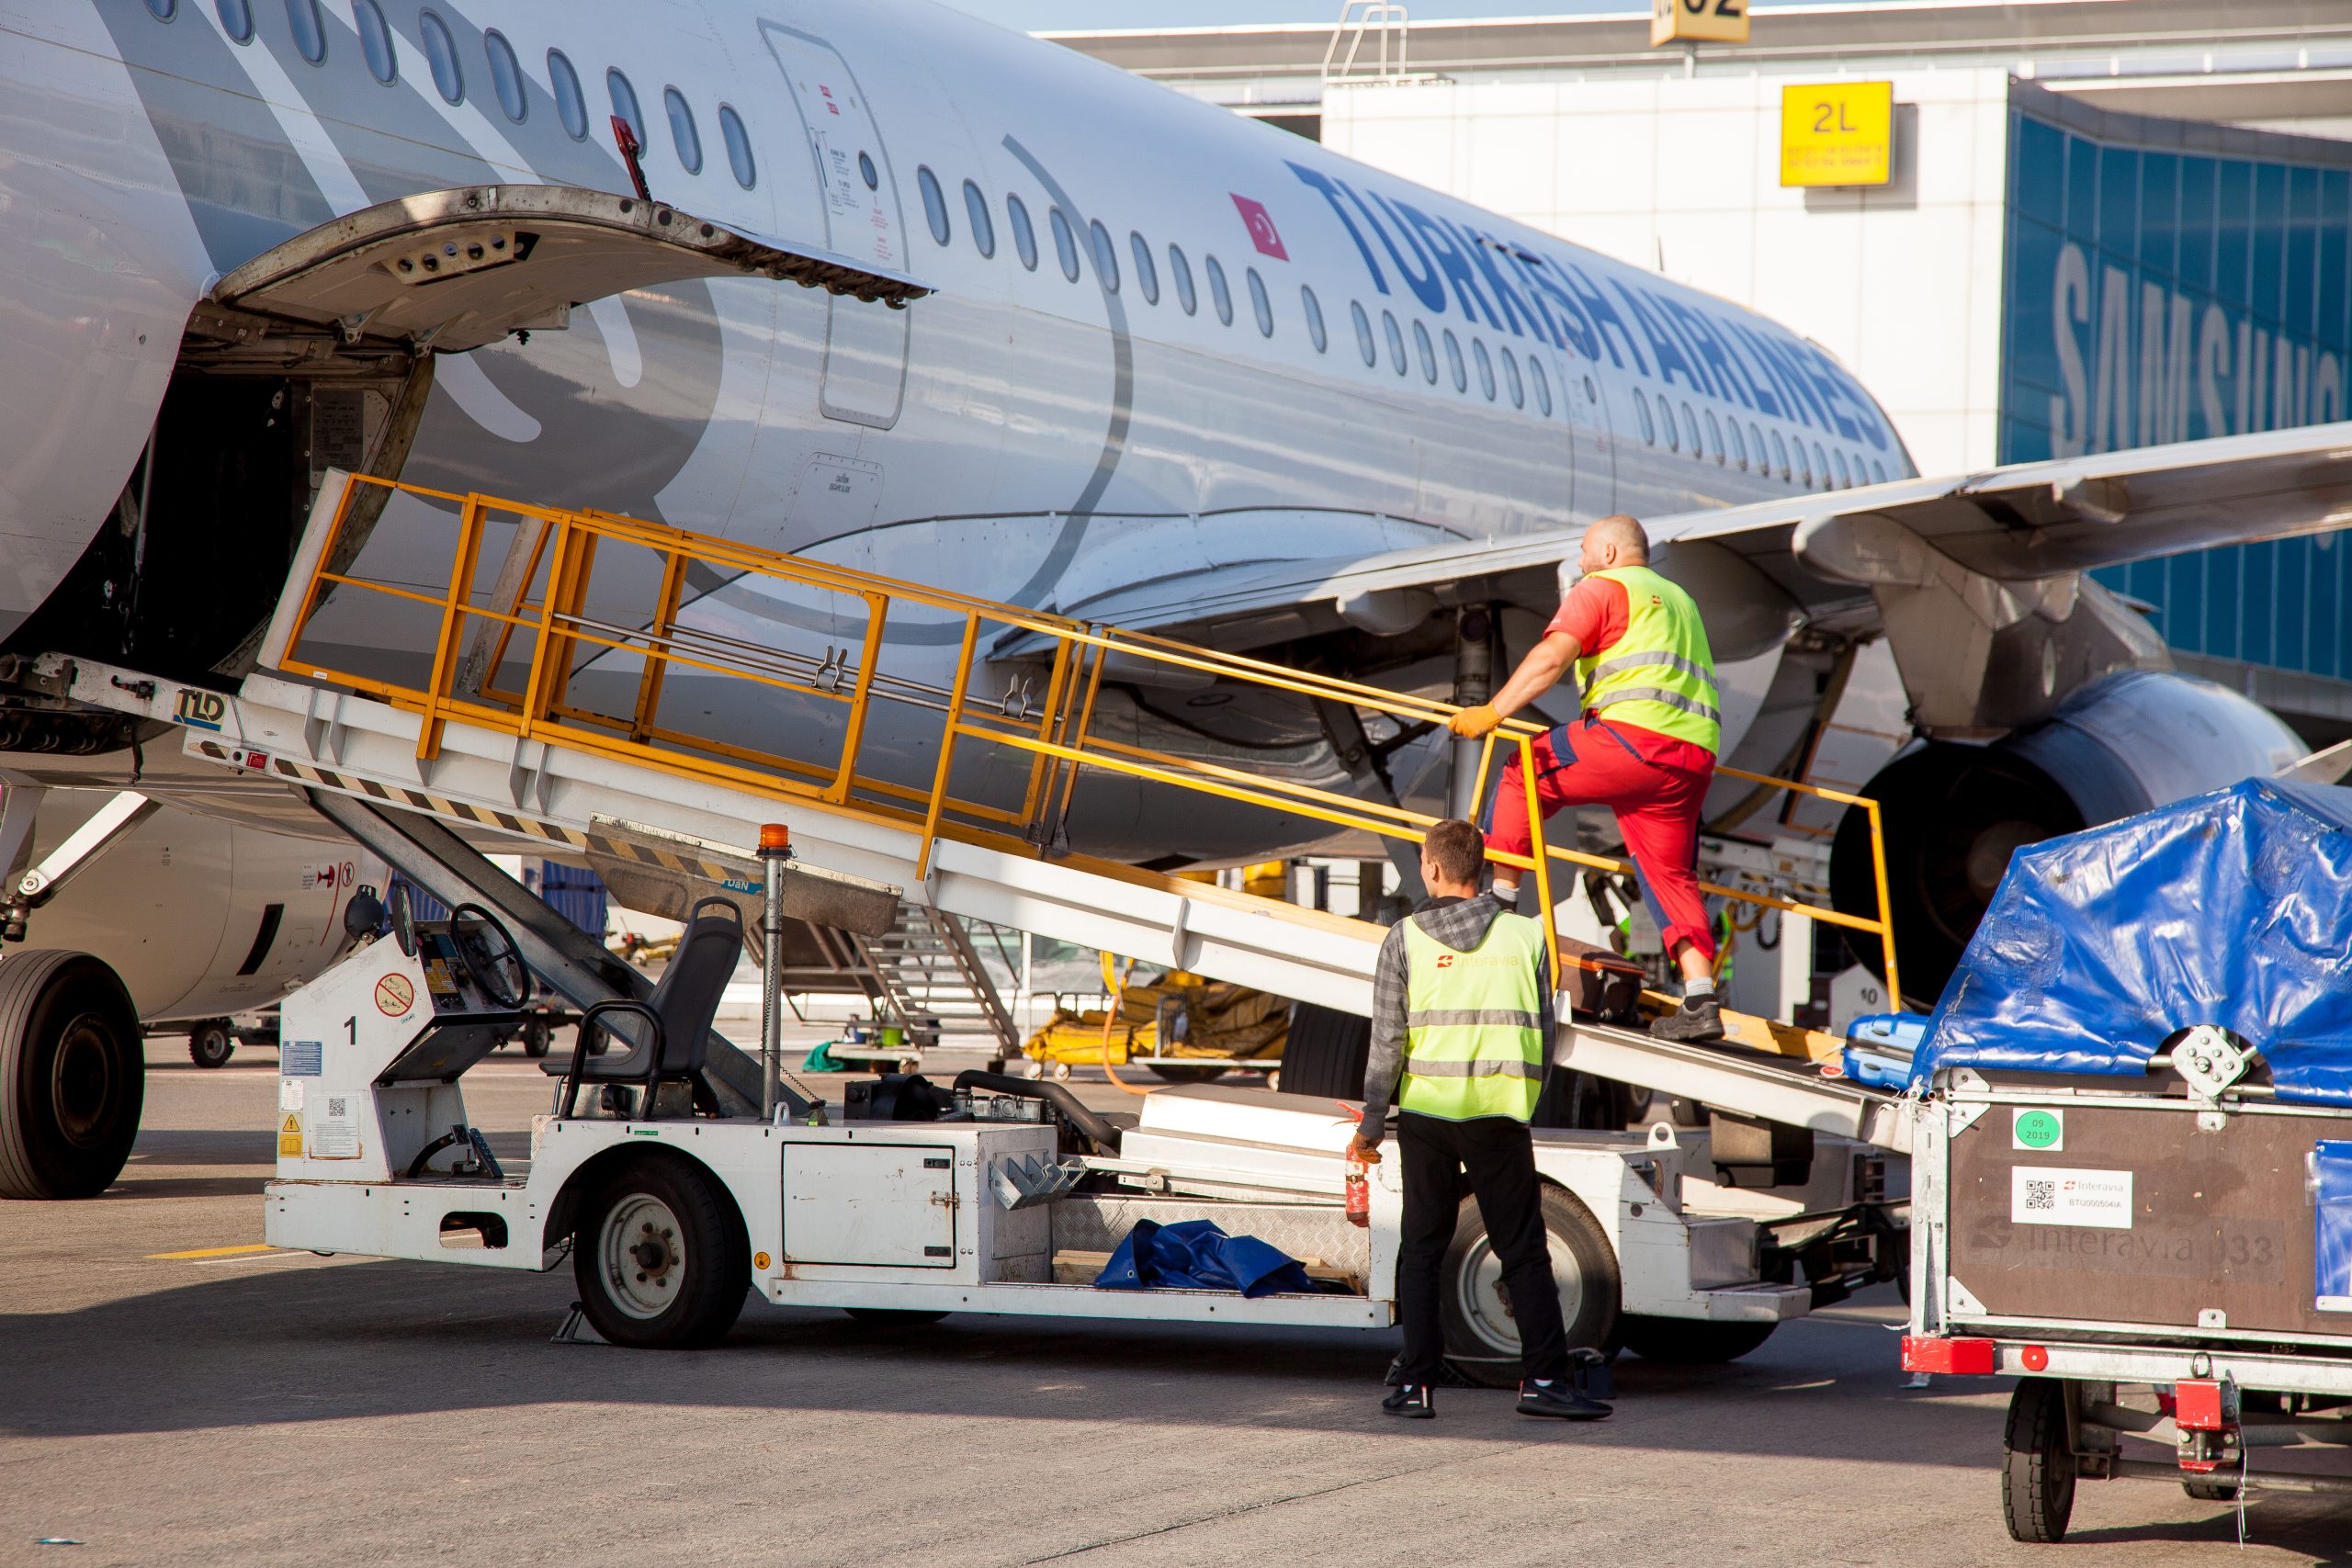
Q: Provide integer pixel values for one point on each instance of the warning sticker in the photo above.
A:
(289, 1094)
(289, 1137)
(395, 994)
(2045, 1195)
(300, 1058)
(334, 1132)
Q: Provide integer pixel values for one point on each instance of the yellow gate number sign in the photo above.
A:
(1698, 21)
(1840, 133)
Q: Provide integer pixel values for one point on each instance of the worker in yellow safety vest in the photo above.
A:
(1643, 742)
(1461, 1037)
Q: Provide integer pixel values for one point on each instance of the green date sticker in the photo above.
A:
(2040, 1130)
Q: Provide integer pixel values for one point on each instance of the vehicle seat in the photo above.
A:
(662, 1038)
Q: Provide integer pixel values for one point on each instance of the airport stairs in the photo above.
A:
(936, 983)
(568, 626)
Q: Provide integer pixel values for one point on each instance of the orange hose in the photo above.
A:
(1111, 1016)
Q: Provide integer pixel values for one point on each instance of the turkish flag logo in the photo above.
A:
(1261, 227)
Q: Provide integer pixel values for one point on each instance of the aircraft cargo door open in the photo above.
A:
(865, 343)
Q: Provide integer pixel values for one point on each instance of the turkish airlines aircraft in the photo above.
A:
(1156, 366)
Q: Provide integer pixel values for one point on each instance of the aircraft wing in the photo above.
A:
(1758, 571)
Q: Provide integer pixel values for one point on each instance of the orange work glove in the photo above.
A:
(1472, 723)
(1364, 1151)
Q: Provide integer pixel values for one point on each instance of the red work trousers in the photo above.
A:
(1584, 763)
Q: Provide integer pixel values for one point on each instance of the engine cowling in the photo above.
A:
(1955, 813)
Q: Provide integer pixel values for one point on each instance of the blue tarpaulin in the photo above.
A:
(1195, 1255)
(2332, 1227)
(2231, 908)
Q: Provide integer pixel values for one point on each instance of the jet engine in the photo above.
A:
(1954, 813)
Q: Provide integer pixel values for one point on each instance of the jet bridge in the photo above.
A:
(554, 711)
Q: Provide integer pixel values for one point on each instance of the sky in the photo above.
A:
(1044, 16)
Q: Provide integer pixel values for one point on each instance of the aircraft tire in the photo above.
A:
(72, 1075)
(211, 1043)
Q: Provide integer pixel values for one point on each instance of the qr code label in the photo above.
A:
(2046, 1195)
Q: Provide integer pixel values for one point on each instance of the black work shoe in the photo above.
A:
(1699, 1018)
(1560, 1400)
(1412, 1401)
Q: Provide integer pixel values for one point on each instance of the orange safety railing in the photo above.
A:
(584, 604)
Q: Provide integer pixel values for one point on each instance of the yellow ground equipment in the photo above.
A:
(1183, 1027)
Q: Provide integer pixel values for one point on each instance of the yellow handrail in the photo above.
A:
(638, 609)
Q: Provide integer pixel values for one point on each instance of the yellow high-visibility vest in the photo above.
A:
(1473, 1036)
(1660, 675)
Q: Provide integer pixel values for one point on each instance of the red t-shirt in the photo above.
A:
(1595, 613)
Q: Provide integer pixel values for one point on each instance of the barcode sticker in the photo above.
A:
(2045, 1195)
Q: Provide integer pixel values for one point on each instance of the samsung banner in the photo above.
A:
(2157, 291)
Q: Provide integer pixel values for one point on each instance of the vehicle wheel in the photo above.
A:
(2037, 1471)
(1274, 1082)
(894, 1317)
(72, 1075)
(1326, 1052)
(661, 1258)
(1690, 1341)
(1481, 1341)
(2210, 1488)
(1061, 1072)
(211, 1043)
(537, 1038)
(1177, 1073)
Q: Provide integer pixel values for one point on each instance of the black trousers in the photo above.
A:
(1496, 1157)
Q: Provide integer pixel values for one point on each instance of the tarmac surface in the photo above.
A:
(255, 1407)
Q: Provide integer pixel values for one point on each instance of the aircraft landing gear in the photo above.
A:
(72, 1075)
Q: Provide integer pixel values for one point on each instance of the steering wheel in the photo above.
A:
(403, 914)
(490, 954)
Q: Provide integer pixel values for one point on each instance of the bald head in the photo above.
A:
(1614, 540)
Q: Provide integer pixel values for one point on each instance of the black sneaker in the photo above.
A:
(1412, 1401)
(1699, 1018)
(1560, 1400)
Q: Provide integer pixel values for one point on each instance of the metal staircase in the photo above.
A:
(937, 985)
(557, 739)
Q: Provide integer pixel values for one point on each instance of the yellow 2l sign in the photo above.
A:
(1698, 21)
(1838, 133)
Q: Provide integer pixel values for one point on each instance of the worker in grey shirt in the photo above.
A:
(1461, 1036)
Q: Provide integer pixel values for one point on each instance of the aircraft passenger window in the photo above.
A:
(1065, 244)
(1147, 275)
(1820, 465)
(1219, 295)
(570, 105)
(310, 32)
(1666, 418)
(867, 172)
(237, 19)
(624, 98)
(441, 55)
(1486, 367)
(1180, 271)
(739, 147)
(975, 211)
(934, 203)
(1738, 444)
(1396, 342)
(1106, 255)
(375, 37)
(1426, 353)
(1590, 394)
(1779, 454)
(1543, 384)
(1313, 310)
(1259, 302)
(1365, 344)
(1756, 443)
(1024, 238)
(505, 74)
(1642, 412)
(162, 9)
(1453, 361)
(1716, 436)
(1517, 388)
(1845, 477)
(1691, 432)
(1805, 469)
(682, 129)
(1878, 474)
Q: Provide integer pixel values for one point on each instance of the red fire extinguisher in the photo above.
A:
(1359, 1192)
